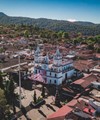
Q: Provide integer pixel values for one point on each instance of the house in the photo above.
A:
(74, 110)
(84, 82)
(85, 65)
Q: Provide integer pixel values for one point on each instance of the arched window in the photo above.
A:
(50, 81)
(55, 81)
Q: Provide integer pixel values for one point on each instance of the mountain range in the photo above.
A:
(86, 28)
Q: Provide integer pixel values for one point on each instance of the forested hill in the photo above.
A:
(86, 28)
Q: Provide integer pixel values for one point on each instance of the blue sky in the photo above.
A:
(80, 10)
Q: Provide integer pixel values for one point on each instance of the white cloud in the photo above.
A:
(72, 20)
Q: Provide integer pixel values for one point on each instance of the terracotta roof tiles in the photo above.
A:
(60, 114)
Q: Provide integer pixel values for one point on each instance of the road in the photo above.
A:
(4, 69)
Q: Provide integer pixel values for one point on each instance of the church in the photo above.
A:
(55, 70)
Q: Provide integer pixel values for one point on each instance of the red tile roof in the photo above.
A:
(67, 110)
(37, 77)
(84, 64)
(86, 81)
(90, 77)
(98, 55)
(89, 111)
(60, 114)
(77, 103)
(72, 102)
(80, 81)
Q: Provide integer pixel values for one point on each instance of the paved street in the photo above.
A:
(39, 113)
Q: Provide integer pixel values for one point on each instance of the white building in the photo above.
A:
(53, 71)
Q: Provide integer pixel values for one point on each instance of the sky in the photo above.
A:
(72, 10)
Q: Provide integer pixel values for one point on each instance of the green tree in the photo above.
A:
(4, 108)
(57, 97)
(26, 33)
(9, 92)
(54, 36)
(60, 34)
(65, 35)
(42, 34)
(1, 80)
(34, 97)
(43, 91)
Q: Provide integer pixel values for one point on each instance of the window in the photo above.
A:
(36, 71)
(50, 73)
(50, 81)
(55, 81)
(55, 75)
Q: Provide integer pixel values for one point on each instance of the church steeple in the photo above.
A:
(58, 54)
(37, 55)
(37, 51)
(47, 58)
(58, 57)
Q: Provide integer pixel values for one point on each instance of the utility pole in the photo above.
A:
(19, 82)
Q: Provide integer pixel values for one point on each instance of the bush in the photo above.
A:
(39, 99)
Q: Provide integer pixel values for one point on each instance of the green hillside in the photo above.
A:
(86, 28)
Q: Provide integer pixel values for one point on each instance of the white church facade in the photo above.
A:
(53, 71)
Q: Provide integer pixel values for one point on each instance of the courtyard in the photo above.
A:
(39, 113)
